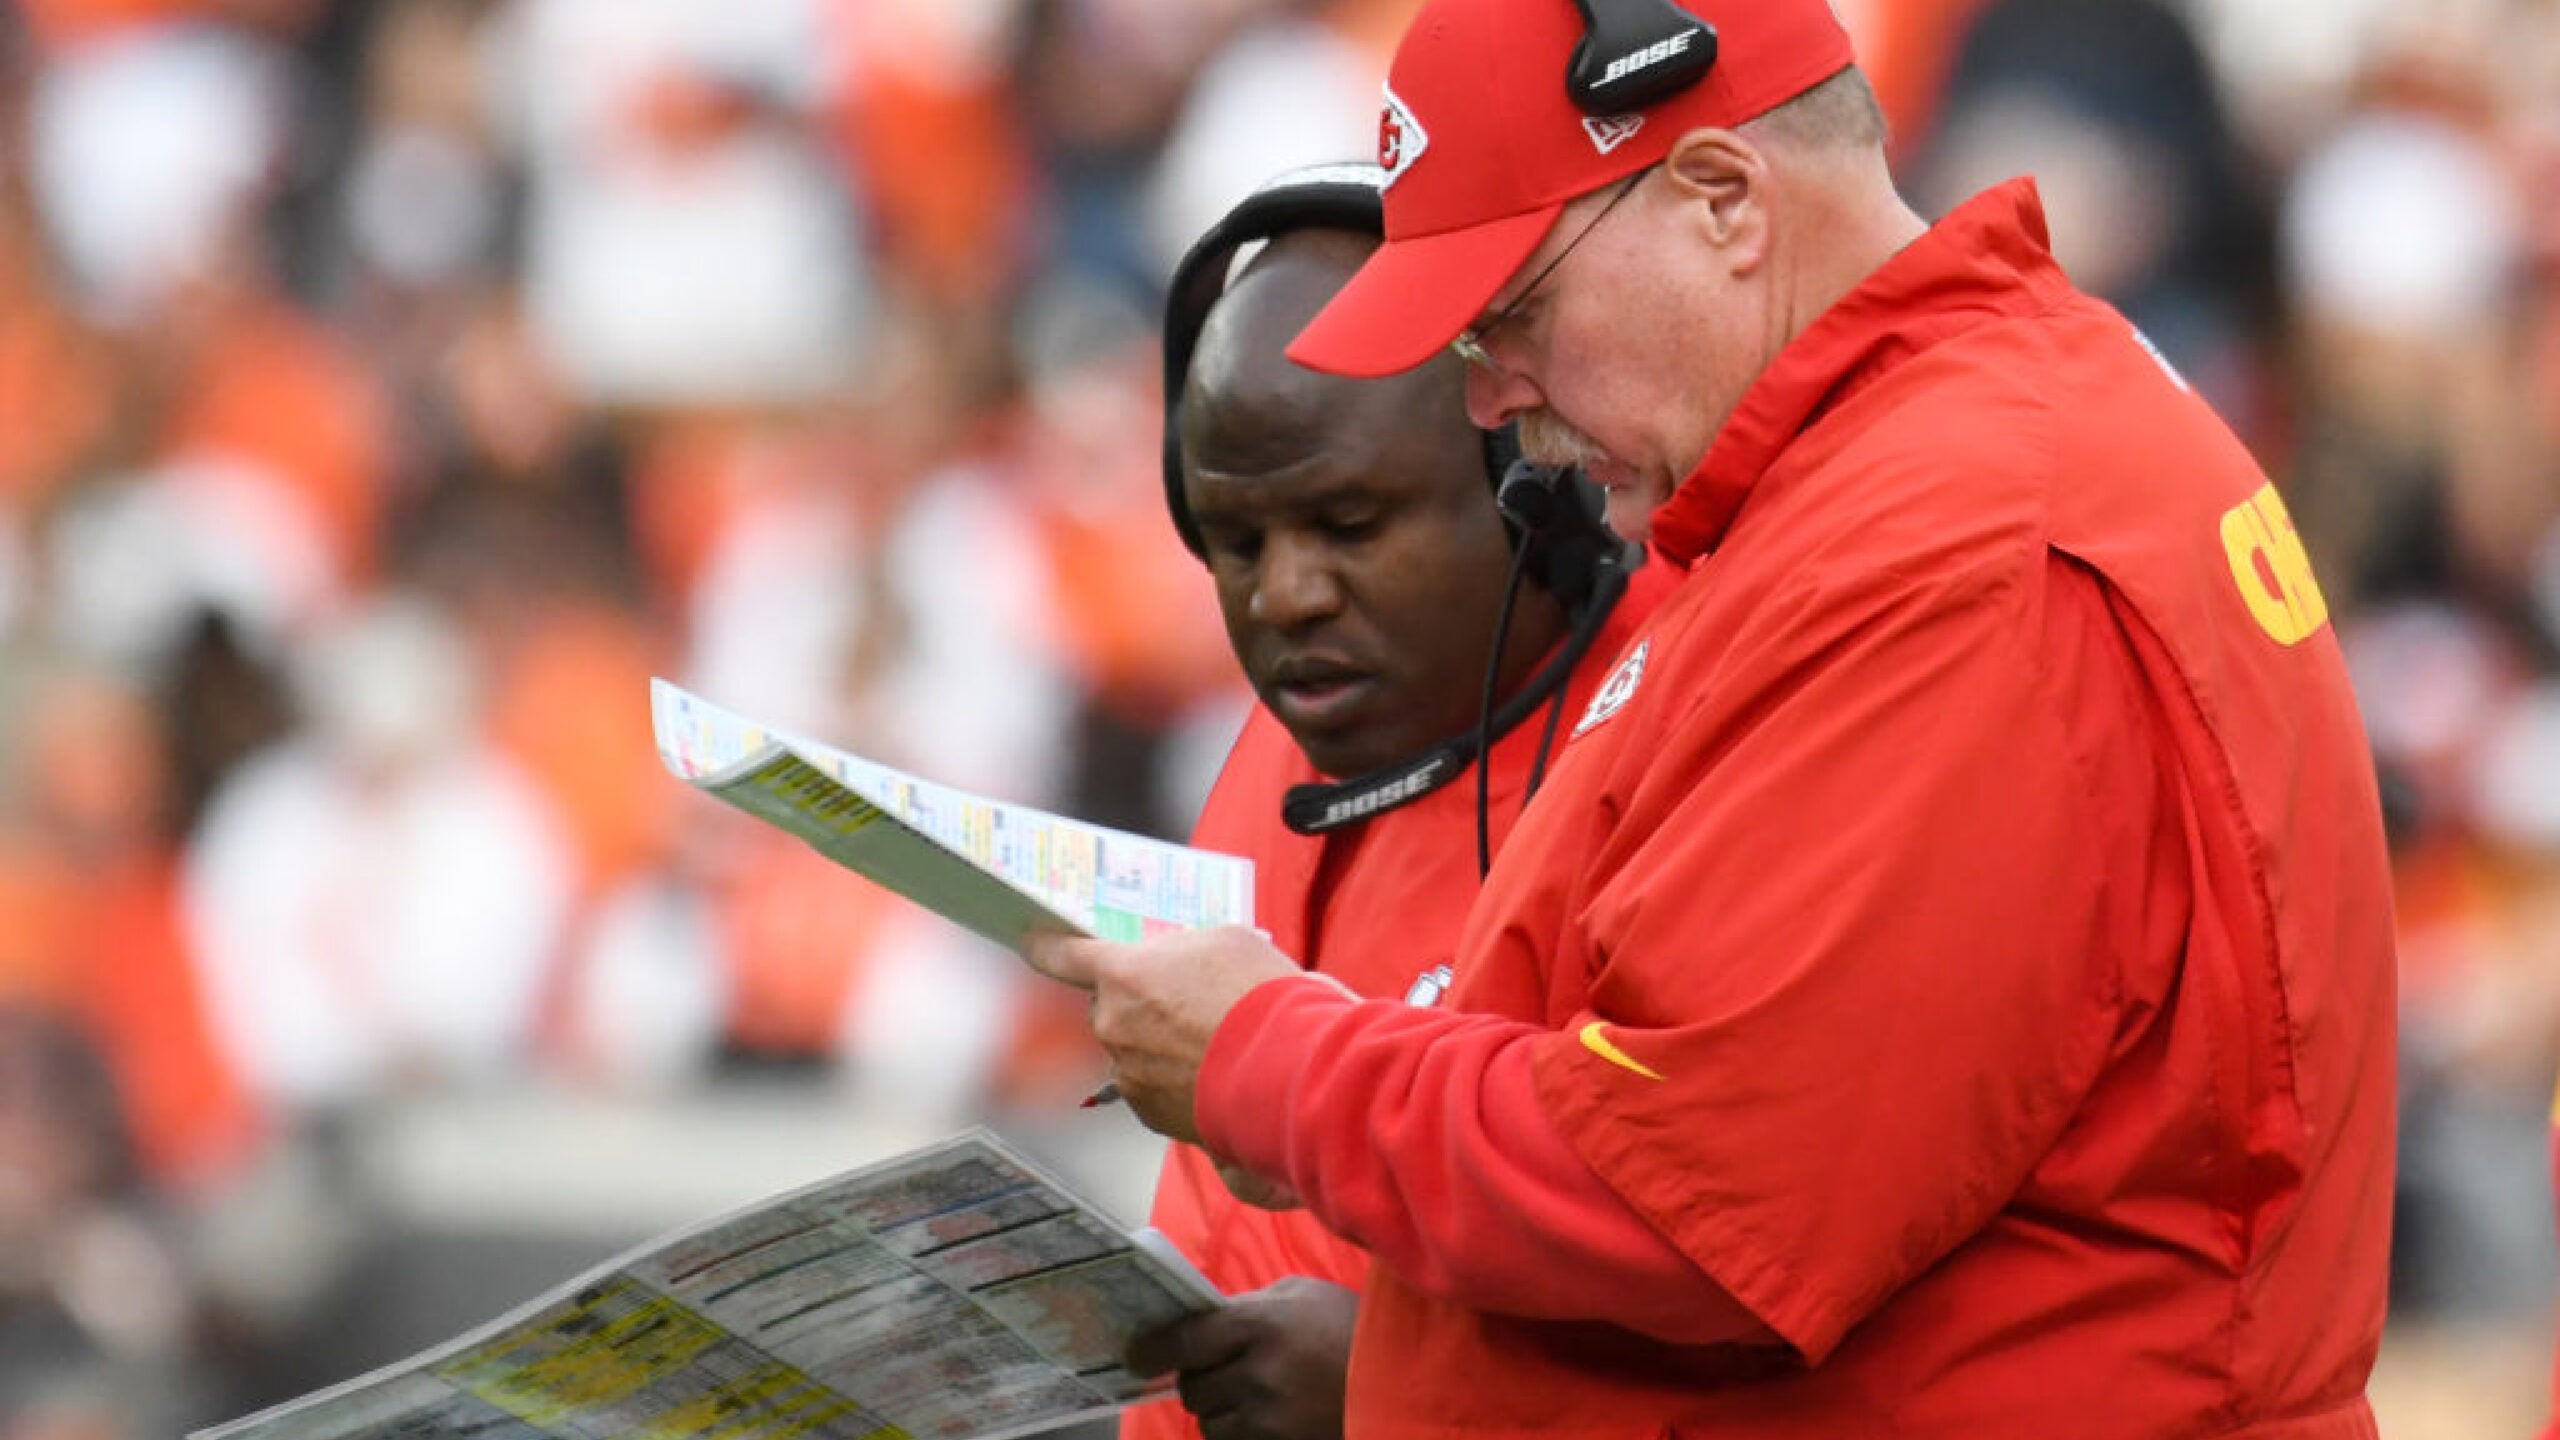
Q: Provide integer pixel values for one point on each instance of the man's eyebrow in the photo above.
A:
(1359, 487)
(1242, 496)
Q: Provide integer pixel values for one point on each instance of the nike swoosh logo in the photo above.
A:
(1599, 1044)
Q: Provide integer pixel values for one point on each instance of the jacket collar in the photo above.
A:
(1988, 260)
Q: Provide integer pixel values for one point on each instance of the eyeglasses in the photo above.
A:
(1469, 343)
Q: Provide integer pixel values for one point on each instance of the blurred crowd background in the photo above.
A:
(389, 387)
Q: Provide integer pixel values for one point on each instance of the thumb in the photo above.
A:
(1069, 959)
(1257, 1191)
(1194, 1342)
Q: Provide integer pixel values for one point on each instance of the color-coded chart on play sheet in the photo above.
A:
(1002, 870)
(958, 1292)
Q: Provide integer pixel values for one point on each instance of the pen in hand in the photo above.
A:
(1109, 1093)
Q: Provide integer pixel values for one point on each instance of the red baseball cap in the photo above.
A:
(1483, 148)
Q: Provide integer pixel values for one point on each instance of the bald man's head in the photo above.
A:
(1242, 391)
(1349, 523)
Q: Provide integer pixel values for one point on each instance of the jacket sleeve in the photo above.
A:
(1426, 1145)
(1860, 941)
(1871, 927)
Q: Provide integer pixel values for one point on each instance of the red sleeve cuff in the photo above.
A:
(1418, 1134)
(1250, 1056)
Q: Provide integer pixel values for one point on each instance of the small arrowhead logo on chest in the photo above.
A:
(1430, 985)
(1616, 692)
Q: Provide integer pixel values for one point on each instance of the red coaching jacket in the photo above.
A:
(1377, 906)
(1945, 986)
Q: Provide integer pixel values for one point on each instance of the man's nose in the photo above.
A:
(1498, 395)
(1297, 584)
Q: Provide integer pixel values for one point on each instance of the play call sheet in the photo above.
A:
(956, 1293)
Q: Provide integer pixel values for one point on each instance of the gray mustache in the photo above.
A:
(1550, 441)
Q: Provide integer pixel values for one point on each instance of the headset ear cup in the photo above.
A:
(1575, 548)
(1502, 457)
(1635, 53)
(1501, 452)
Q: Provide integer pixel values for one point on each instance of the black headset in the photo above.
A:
(1636, 53)
(1554, 515)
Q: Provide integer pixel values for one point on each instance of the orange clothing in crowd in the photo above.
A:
(59, 23)
(799, 940)
(1907, 48)
(193, 1118)
(56, 386)
(1139, 622)
(937, 156)
(274, 388)
(562, 710)
(100, 945)
(1957, 944)
(1378, 906)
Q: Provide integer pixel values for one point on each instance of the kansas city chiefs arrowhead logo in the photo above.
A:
(1608, 132)
(1401, 140)
(1430, 985)
(1614, 695)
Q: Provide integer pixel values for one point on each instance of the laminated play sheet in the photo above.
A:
(1004, 871)
(955, 1293)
